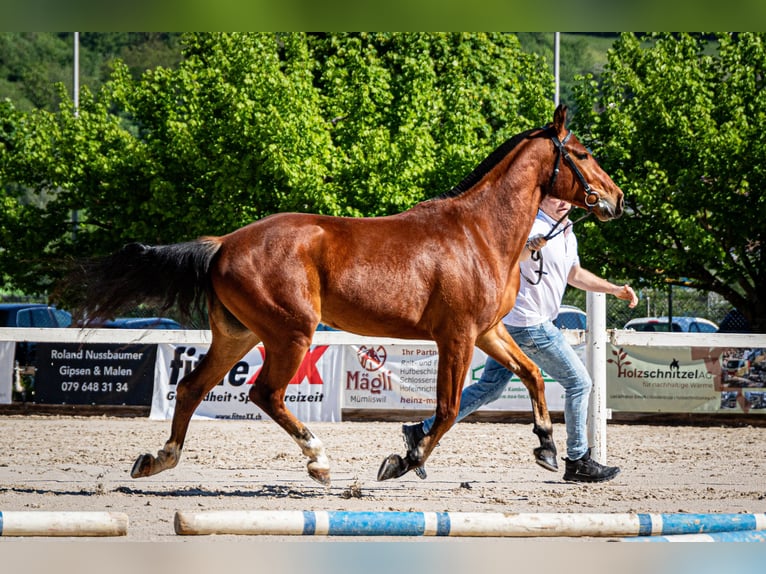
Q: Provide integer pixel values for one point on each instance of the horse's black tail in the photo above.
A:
(163, 276)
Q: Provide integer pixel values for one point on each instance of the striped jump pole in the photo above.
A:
(489, 524)
(43, 523)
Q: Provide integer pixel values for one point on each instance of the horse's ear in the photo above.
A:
(560, 120)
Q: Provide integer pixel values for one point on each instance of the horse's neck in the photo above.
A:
(501, 206)
(504, 204)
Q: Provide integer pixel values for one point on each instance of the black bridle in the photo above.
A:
(562, 152)
(589, 193)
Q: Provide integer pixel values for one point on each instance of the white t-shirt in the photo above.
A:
(538, 303)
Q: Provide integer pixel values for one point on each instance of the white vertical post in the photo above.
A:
(556, 57)
(76, 82)
(595, 358)
(76, 102)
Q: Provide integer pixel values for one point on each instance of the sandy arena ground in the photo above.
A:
(83, 463)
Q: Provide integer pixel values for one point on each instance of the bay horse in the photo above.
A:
(445, 270)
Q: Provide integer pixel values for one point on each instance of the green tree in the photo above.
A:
(32, 63)
(251, 124)
(140, 51)
(678, 122)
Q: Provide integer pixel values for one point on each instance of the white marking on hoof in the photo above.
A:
(314, 450)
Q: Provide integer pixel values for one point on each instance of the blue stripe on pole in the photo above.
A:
(712, 527)
(376, 523)
(442, 524)
(671, 524)
(309, 523)
(1, 523)
(644, 524)
(700, 523)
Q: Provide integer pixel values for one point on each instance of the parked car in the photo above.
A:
(29, 315)
(33, 315)
(680, 325)
(142, 323)
(571, 317)
(734, 322)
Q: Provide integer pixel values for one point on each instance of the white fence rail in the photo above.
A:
(203, 337)
(174, 336)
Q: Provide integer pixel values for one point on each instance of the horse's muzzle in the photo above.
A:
(606, 210)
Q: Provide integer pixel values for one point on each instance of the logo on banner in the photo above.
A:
(185, 360)
(652, 371)
(230, 388)
(307, 370)
(372, 358)
(372, 379)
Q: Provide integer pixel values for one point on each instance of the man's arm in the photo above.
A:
(587, 281)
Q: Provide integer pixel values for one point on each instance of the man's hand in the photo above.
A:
(536, 243)
(627, 294)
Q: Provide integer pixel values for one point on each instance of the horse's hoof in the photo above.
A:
(393, 467)
(321, 475)
(546, 458)
(142, 467)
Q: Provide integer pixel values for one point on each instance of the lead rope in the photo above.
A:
(538, 255)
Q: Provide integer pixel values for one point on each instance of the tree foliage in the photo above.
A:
(33, 63)
(251, 124)
(678, 122)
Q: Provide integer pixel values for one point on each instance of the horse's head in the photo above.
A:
(580, 180)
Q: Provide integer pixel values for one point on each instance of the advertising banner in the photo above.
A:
(94, 374)
(401, 377)
(312, 395)
(7, 349)
(686, 379)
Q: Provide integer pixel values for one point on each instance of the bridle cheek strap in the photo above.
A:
(591, 196)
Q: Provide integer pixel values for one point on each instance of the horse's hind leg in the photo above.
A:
(268, 392)
(499, 345)
(230, 343)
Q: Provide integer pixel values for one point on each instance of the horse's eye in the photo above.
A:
(581, 155)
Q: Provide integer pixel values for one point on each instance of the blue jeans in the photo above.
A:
(547, 347)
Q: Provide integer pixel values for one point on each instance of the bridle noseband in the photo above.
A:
(589, 193)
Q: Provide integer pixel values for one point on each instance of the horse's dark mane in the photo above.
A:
(486, 165)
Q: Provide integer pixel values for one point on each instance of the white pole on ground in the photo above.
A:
(595, 358)
(63, 523)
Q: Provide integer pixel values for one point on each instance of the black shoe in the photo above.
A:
(412, 435)
(586, 469)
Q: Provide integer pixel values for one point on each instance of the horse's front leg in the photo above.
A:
(545, 454)
(498, 344)
(454, 360)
